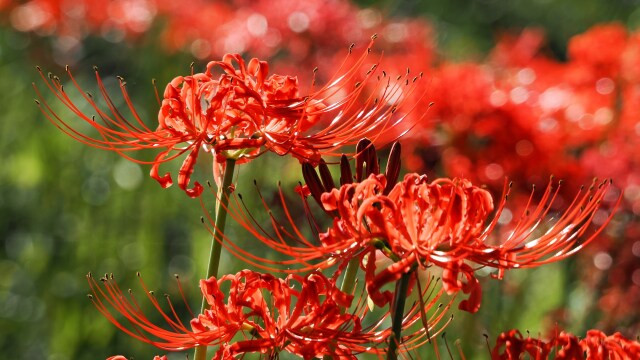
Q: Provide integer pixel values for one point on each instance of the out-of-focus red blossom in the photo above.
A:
(519, 50)
(264, 28)
(306, 316)
(598, 50)
(112, 19)
(598, 345)
(120, 357)
(243, 112)
(511, 345)
(554, 110)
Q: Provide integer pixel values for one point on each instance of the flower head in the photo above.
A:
(446, 223)
(303, 315)
(236, 110)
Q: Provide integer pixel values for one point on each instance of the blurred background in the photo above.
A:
(523, 89)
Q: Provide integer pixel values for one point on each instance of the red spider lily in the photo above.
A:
(443, 223)
(511, 345)
(308, 316)
(302, 315)
(415, 224)
(242, 113)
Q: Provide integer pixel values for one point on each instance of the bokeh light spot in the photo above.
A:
(605, 86)
(635, 249)
(526, 76)
(257, 25)
(298, 21)
(505, 217)
(602, 260)
(519, 95)
(498, 98)
(494, 171)
(127, 174)
(635, 277)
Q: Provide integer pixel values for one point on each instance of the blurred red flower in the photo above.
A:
(511, 345)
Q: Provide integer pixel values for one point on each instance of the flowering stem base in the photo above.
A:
(400, 297)
(216, 247)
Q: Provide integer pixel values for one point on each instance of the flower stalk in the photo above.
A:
(216, 243)
(398, 313)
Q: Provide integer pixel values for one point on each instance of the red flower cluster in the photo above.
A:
(511, 345)
(307, 316)
(418, 224)
(243, 112)
(302, 315)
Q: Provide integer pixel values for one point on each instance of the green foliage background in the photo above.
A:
(67, 209)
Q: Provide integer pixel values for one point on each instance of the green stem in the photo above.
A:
(216, 246)
(349, 281)
(398, 314)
